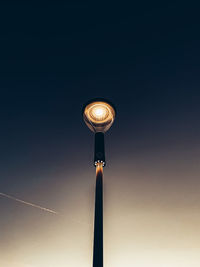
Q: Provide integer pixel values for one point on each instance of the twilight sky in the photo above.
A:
(145, 59)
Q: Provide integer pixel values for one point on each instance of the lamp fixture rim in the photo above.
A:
(99, 99)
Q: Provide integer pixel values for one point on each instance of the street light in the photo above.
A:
(99, 115)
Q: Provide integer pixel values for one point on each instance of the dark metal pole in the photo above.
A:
(99, 149)
(98, 220)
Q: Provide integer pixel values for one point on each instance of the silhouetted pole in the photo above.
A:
(99, 115)
(98, 220)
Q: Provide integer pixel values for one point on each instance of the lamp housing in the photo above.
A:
(99, 115)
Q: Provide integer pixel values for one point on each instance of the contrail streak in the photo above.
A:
(28, 203)
(39, 207)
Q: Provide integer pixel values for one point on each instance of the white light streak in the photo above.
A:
(28, 203)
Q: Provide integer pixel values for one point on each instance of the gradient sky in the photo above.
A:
(145, 59)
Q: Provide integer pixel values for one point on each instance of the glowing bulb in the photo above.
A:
(99, 115)
(99, 112)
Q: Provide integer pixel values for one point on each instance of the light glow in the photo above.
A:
(99, 116)
(99, 168)
(99, 112)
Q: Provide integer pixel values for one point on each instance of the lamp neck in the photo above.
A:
(99, 149)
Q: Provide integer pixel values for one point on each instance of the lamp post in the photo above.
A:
(99, 115)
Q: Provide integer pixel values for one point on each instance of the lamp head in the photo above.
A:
(99, 115)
